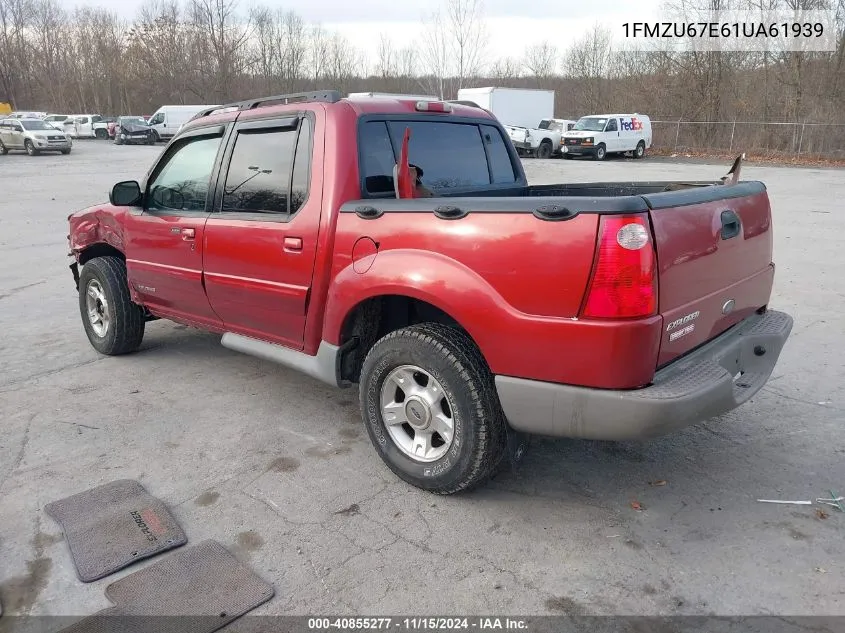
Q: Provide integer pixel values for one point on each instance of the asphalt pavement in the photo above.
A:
(278, 467)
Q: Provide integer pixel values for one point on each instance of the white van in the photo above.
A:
(167, 120)
(598, 135)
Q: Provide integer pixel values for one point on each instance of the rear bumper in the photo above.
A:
(694, 388)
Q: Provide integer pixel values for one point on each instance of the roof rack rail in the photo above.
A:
(326, 96)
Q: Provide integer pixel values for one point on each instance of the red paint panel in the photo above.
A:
(699, 271)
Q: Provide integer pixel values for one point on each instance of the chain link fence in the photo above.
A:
(823, 140)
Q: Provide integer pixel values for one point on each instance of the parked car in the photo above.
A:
(33, 136)
(544, 141)
(602, 134)
(167, 120)
(57, 120)
(86, 126)
(27, 115)
(494, 310)
(133, 130)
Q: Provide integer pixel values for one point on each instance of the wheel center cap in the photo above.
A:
(417, 413)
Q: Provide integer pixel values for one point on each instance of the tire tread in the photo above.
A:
(127, 317)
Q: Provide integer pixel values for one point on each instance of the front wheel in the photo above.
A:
(545, 150)
(113, 323)
(3, 150)
(30, 148)
(601, 153)
(101, 134)
(66, 151)
(430, 408)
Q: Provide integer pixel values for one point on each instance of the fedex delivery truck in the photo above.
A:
(513, 106)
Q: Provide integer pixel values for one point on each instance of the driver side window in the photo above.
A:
(611, 126)
(158, 118)
(182, 183)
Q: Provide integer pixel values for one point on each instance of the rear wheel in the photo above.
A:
(545, 149)
(113, 323)
(639, 152)
(101, 134)
(600, 153)
(430, 408)
(30, 148)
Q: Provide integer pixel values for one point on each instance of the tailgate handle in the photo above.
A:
(730, 224)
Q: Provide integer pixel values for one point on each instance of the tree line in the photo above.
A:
(215, 51)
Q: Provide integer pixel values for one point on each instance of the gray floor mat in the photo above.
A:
(196, 590)
(110, 527)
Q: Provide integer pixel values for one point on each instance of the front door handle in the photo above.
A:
(293, 244)
(188, 234)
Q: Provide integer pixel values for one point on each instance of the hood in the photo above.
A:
(131, 128)
(580, 133)
(45, 133)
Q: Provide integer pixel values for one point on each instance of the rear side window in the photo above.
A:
(259, 172)
(497, 152)
(377, 159)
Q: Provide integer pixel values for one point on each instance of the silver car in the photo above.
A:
(32, 136)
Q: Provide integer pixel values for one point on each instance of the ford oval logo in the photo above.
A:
(728, 307)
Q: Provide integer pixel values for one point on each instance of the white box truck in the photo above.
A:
(513, 106)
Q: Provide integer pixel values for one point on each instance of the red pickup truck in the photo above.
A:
(470, 320)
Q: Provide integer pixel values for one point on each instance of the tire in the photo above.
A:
(600, 153)
(478, 427)
(30, 148)
(545, 149)
(118, 141)
(122, 329)
(101, 134)
(639, 152)
(3, 149)
(156, 137)
(150, 141)
(65, 152)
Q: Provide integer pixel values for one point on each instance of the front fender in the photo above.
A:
(431, 277)
(99, 224)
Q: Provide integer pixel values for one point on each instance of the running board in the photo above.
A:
(323, 366)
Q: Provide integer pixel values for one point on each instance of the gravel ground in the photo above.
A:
(279, 469)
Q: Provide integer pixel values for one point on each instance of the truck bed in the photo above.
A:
(712, 242)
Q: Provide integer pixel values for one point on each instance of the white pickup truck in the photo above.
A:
(544, 141)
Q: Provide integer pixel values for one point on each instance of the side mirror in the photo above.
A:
(125, 194)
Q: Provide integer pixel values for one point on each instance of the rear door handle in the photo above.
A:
(188, 234)
(293, 244)
(731, 224)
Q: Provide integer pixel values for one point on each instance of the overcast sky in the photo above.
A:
(511, 24)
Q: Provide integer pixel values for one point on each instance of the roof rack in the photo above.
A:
(326, 96)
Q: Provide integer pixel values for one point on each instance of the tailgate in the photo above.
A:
(714, 255)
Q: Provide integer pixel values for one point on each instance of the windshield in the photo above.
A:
(590, 124)
(133, 120)
(36, 125)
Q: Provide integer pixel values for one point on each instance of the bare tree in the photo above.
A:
(541, 60)
(386, 63)
(435, 54)
(587, 62)
(468, 37)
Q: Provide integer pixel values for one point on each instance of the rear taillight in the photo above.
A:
(624, 279)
